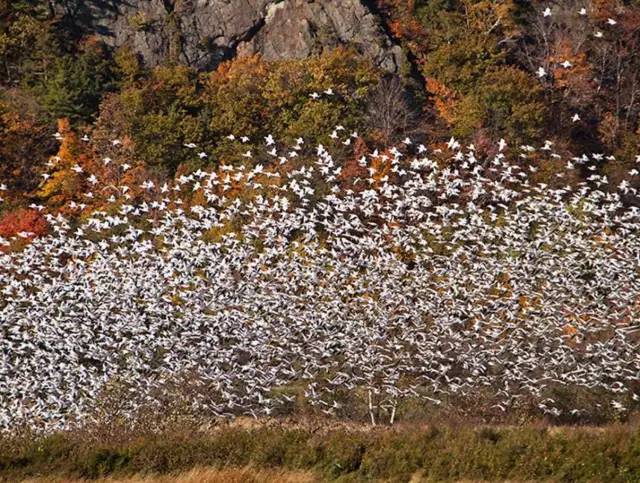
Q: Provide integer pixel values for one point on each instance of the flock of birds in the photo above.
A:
(425, 280)
(418, 279)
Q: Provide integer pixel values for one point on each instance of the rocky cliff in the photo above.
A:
(201, 33)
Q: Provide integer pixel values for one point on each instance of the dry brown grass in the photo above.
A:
(203, 475)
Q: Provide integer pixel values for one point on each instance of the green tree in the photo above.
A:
(76, 84)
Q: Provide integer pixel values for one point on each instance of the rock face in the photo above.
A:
(201, 33)
(299, 28)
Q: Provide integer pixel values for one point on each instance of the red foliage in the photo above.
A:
(23, 221)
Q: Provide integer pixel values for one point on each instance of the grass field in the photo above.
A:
(305, 453)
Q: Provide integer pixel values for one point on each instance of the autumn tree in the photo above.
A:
(64, 182)
(467, 68)
(588, 68)
(26, 141)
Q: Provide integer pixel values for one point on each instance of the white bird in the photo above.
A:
(546, 12)
(541, 72)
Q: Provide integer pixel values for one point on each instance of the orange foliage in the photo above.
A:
(235, 70)
(608, 128)
(403, 25)
(66, 184)
(15, 127)
(407, 27)
(578, 77)
(444, 99)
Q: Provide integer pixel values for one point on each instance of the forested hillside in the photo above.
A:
(479, 70)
